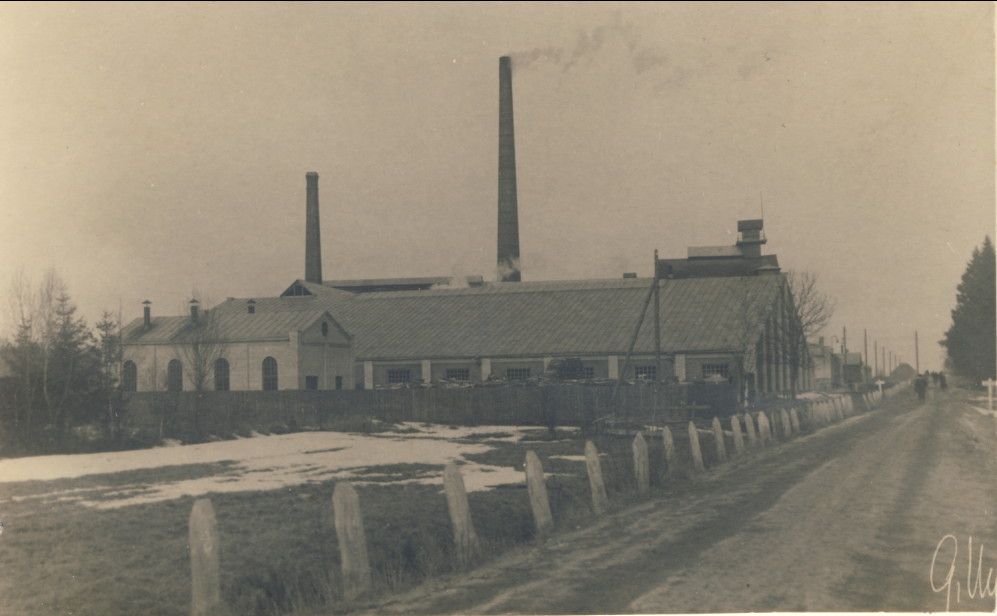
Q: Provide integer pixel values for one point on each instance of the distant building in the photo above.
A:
(826, 366)
(744, 258)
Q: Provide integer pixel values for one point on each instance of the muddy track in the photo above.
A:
(844, 519)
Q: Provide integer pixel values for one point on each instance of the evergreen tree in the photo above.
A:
(971, 341)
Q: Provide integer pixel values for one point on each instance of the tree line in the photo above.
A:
(61, 373)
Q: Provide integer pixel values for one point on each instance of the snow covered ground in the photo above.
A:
(274, 462)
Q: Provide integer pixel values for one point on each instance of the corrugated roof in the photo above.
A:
(505, 319)
(549, 318)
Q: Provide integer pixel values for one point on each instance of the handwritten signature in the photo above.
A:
(975, 588)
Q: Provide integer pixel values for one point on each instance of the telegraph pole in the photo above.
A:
(875, 357)
(917, 354)
(844, 356)
(658, 372)
(865, 353)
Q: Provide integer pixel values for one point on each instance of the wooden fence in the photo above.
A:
(355, 575)
(187, 414)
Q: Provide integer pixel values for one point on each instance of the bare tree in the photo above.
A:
(776, 322)
(810, 310)
(200, 345)
(52, 355)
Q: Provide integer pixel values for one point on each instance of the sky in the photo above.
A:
(159, 150)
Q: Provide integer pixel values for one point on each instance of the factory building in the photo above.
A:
(722, 318)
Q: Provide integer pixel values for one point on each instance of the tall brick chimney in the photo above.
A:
(313, 238)
(508, 213)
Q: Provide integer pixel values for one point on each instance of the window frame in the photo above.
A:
(174, 375)
(223, 377)
(270, 373)
(397, 376)
(517, 374)
(711, 369)
(458, 374)
(129, 376)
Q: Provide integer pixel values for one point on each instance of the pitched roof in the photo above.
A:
(233, 323)
(503, 319)
(546, 318)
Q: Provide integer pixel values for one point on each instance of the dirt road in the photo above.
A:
(849, 518)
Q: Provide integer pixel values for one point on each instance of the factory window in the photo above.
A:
(715, 370)
(174, 376)
(517, 374)
(129, 376)
(645, 373)
(459, 374)
(269, 374)
(311, 382)
(588, 372)
(339, 382)
(221, 375)
(399, 375)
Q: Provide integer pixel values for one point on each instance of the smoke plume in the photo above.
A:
(589, 43)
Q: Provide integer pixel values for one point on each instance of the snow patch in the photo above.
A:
(279, 461)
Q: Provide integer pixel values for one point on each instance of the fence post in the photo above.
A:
(697, 453)
(538, 496)
(735, 427)
(764, 431)
(599, 500)
(669, 444)
(787, 427)
(206, 593)
(642, 471)
(465, 539)
(749, 427)
(718, 440)
(794, 420)
(352, 541)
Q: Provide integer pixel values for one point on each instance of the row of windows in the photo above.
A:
(647, 372)
(174, 375)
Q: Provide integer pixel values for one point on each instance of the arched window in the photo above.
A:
(269, 374)
(174, 376)
(221, 375)
(129, 376)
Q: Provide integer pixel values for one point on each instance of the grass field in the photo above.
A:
(115, 543)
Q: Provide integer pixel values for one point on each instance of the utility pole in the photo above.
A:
(917, 354)
(658, 372)
(875, 357)
(865, 353)
(844, 356)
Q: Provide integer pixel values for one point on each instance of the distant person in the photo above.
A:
(920, 386)
(942, 384)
